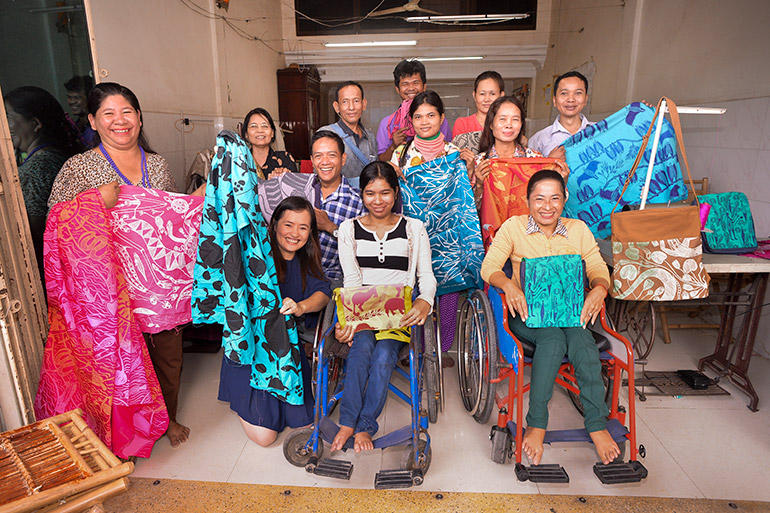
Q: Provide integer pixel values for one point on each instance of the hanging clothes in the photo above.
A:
(235, 280)
(95, 357)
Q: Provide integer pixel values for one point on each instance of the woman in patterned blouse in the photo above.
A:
(258, 130)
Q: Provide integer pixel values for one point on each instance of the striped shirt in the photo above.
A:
(383, 261)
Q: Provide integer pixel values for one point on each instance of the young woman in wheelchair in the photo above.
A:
(379, 248)
(543, 233)
(305, 291)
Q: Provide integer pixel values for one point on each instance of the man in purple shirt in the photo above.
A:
(409, 77)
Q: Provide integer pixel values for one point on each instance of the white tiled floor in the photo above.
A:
(705, 447)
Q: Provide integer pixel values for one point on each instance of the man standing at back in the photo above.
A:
(570, 96)
(409, 77)
(360, 143)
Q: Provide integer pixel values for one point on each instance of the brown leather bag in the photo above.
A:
(656, 253)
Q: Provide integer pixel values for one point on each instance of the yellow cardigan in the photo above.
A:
(512, 241)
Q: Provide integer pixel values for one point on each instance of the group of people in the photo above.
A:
(354, 233)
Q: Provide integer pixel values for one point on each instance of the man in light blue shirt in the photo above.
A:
(570, 96)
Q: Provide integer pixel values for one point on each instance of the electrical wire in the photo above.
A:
(347, 21)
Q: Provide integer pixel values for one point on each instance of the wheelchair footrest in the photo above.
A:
(545, 473)
(387, 479)
(338, 469)
(616, 473)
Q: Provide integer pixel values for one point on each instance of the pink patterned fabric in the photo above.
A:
(156, 239)
(95, 357)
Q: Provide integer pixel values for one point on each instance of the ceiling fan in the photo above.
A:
(410, 6)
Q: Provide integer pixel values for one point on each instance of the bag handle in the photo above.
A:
(680, 142)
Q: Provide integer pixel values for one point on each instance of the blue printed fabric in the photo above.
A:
(554, 287)
(600, 157)
(235, 280)
(439, 194)
(730, 225)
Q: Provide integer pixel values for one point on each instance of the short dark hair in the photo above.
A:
(343, 85)
(569, 74)
(309, 254)
(487, 139)
(494, 75)
(104, 90)
(407, 68)
(546, 174)
(378, 169)
(79, 84)
(331, 135)
(262, 112)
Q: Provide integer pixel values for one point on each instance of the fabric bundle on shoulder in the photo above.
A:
(439, 194)
(505, 191)
(600, 156)
(95, 357)
(275, 190)
(400, 119)
(235, 279)
(156, 239)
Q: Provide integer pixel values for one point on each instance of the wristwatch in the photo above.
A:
(336, 233)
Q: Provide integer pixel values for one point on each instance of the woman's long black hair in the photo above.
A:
(487, 139)
(310, 254)
(104, 90)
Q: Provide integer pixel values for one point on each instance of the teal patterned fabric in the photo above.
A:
(730, 222)
(554, 287)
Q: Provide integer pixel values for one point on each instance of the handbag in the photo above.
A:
(554, 287)
(730, 226)
(656, 253)
(372, 307)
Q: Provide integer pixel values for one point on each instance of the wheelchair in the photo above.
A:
(489, 353)
(304, 447)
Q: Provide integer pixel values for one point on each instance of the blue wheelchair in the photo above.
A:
(305, 447)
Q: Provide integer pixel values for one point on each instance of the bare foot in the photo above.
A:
(606, 447)
(363, 442)
(177, 433)
(343, 434)
(532, 443)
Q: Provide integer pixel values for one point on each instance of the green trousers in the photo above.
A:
(551, 346)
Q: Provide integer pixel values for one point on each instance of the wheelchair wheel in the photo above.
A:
(477, 356)
(295, 450)
(431, 369)
(324, 321)
(608, 383)
(502, 445)
(407, 458)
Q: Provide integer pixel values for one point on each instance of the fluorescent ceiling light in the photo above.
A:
(372, 43)
(468, 17)
(474, 58)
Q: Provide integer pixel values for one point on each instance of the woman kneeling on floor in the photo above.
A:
(294, 237)
(379, 248)
(543, 233)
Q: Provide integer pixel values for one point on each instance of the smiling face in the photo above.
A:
(487, 91)
(427, 121)
(23, 130)
(411, 86)
(292, 231)
(350, 104)
(258, 131)
(546, 203)
(507, 123)
(379, 198)
(78, 103)
(117, 122)
(570, 98)
(327, 161)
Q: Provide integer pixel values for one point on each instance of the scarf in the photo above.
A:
(401, 119)
(430, 148)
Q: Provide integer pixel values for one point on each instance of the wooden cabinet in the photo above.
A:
(299, 94)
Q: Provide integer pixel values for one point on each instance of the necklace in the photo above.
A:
(37, 148)
(145, 176)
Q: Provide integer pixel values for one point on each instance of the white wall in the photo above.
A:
(184, 65)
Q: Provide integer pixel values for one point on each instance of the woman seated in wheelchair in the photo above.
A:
(305, 291)
(378, 248)
(543, 233)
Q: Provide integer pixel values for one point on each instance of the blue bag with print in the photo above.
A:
(554, 287)
(730, 226)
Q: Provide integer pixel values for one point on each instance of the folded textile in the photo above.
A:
(373, 307)
(95, 357)
(155, 234)
(554, 287)
(275, 190)
(505, 191)
(400, 119)
(600, 157)
(234, 278)
(439, 194)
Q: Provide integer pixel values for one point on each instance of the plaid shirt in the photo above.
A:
(532, 227)
(342, 204)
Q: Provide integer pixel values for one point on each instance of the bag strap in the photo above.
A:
(680, 142)
(353, 148)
